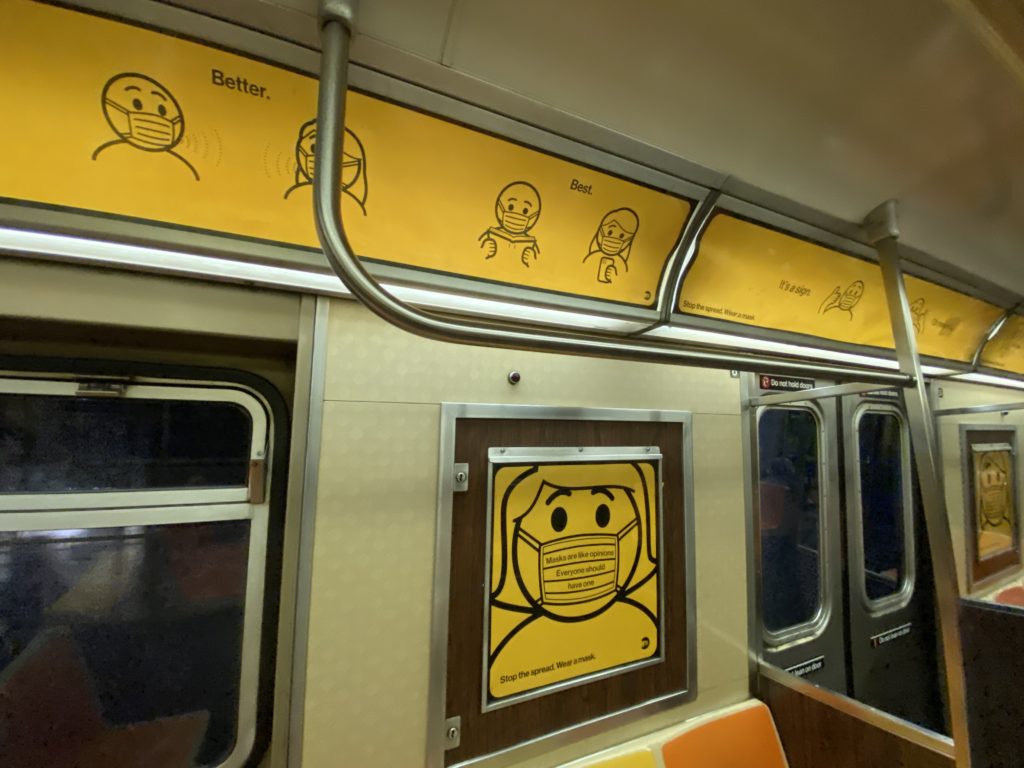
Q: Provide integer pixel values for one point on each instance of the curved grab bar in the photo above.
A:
(334, 42)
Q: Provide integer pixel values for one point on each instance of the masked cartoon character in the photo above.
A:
(144, 115)
(993, 489)
(918, 313)
(517, 210)
(573, 571)
(844, 301)
(353, 164)
(613, 241)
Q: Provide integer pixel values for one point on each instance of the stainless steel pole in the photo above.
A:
(883, 231)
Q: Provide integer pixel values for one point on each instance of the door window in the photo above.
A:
(790, 495)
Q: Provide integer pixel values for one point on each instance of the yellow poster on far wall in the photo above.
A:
(574, 586)
(995, 509)
(115, 119)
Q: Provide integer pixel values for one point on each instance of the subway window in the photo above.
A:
(130, 624)
(62, 444)
(790, 496)
(884, 510)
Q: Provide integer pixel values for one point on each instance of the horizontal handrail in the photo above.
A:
(335, 40)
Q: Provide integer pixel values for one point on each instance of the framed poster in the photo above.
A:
(564, 588)
(573, 593)
(990, 503)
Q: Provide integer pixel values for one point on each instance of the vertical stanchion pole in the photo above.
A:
(883, 230)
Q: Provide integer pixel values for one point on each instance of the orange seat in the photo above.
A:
(743, 739)
(1011, 596)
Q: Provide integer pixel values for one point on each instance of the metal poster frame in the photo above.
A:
(437, 727)
(500, 456)
(971, 553)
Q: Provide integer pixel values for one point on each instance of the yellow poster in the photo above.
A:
(947, 323)
(108, 117)
(995, 508)
(1006, 350)
(573, 587)
(747, 273)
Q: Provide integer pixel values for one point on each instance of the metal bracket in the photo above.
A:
(452, 732)
(882, 223)
(101, 388)
(460, 478)
(339, 10)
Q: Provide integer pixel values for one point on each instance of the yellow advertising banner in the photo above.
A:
(747, 273)
(995, 509)
(108, 117)
(1006, 349)
(948, 324)
(750, 274)
(573, 587)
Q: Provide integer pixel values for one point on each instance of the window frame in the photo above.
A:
(816, 626)
(858, 569)
(105, 509)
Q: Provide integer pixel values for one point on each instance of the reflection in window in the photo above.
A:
(880, 446)
(59, 444)
(995, 511)
(790, 502)
(121, 646)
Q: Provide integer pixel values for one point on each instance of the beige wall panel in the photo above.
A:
(89, 295)
(370, 360)
(369, 647)
(369, 641)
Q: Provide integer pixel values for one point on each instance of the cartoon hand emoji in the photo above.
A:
(490, 247)
(608, 272)
(831, 301)
(529, 253)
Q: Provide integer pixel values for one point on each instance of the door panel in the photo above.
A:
(797, 543)
(892, 633)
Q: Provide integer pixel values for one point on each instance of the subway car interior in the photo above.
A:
(450, 383)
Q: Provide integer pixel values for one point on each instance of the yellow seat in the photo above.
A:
(744, 738)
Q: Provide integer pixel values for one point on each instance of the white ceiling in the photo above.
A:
(836, 105)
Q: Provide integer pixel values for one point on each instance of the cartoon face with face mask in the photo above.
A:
(612, 242)
(353, 164)
(517, 210)
(574, 557)
(994, 489)
(844, 301)
(144, 115)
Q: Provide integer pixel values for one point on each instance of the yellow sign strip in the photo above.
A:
(748, 273)
(1006, 350)
(131, 122)
(949, 324)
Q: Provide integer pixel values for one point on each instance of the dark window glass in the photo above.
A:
(790, 501)
(880, 440)
(121, 646)
(63, 444)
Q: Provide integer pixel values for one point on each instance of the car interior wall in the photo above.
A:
(960, 395)
(369, 650)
